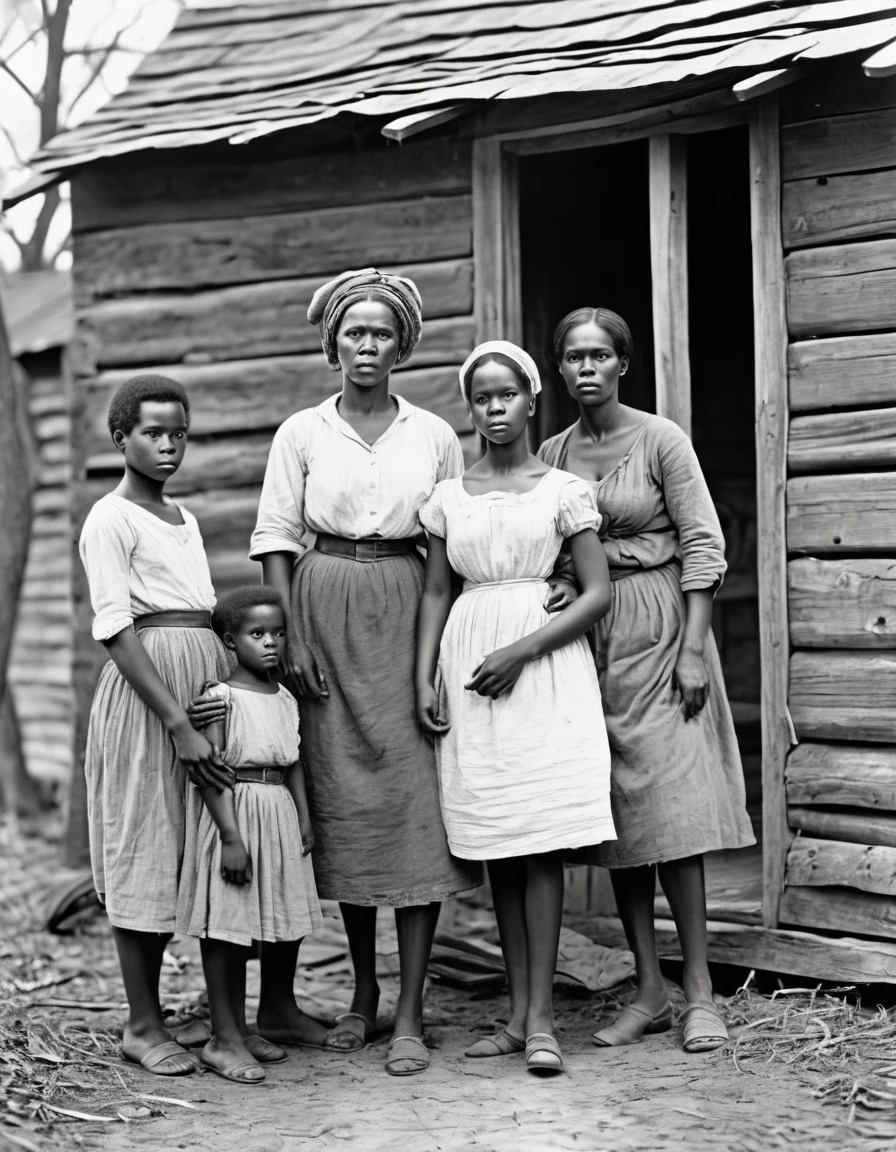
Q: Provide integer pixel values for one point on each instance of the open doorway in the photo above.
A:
(585, 240)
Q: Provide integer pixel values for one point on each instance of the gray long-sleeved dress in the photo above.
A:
(677, 787)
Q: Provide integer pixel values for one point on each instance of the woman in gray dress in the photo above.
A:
(677, 786)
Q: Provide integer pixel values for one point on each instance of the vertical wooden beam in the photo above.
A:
(770, 341)
(496, 243)
(669, 271)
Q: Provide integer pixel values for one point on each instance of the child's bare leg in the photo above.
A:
(360, 927)
(221, 962)
(544, 909)
(279, 1017)
(635, 892)
(140, 957)
(685, 888)
(508, 884)
(416, 927)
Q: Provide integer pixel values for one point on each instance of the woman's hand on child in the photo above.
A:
(561, 593)
(236, 865)
(201, 760)
(428, 713)
(302, 673)
(692, 682)
(498, 672)
(206, 709)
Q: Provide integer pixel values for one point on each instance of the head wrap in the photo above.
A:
(330, 301)
(522, 359)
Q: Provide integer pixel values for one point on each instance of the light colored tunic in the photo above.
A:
(677, 786)
(280, 901)
(137, 564)
(370, 771)
(528, 772)
(322, 477)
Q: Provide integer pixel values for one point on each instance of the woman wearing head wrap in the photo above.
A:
(355, 471)
(508, 691)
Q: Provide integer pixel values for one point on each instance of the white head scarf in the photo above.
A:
(512, 352)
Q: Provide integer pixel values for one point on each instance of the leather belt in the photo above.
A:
(174, 619)
(364, 550)
(258, 775)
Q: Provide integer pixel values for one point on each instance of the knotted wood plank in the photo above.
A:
(842, 440)
(827, 208)
(877, 829)
(817, 863)
(843, 372)
(839, 910)
(842, 603)
(840, 289)
(855, 142)
(850, 513)
(837, 774)
(843, 696)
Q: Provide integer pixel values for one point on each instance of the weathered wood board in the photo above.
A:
(843, 372)
(863, 828)
(827, 208)
(835, 91)
(837, 774)
(842, 603)
(196, 254)
(854, 142)
(161, 188)
(851, 513)
(268, 319)
(829, 863)
(843, 696)
(839, 910)
(842, 440)
(840, 289)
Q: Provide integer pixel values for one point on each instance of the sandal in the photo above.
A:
(629, 1031)
(501, 1044)
(242, 1072)
(155, 1058)
(543, 1054)
(346, 1026)
(263, 1050)
(703, 1028)
(404, 1056)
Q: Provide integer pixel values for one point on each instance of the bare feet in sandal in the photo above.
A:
(503, 1043)
(703, 1029)
(232, 1060)
(631, 1024)
(164, 1059)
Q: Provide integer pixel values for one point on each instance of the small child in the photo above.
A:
(510, 692)
(245, 876)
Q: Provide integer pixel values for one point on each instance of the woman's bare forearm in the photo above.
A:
(698, 605)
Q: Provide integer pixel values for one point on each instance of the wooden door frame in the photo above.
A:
(498, 314)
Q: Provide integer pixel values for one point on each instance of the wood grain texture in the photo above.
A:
(768, 949)
(842, 440)
(770, 345)
(496, 243)
(842, 603)
(841, 289)
(163, 188)
(839, 774)
(839, 910)
(817, 863)
(836, 514)
(667, 164)
(267, 319)
(855, 142)
(844, 696)
(195, 254)
(824, 209)
(877, 829)
(843, 372)
(833, 91)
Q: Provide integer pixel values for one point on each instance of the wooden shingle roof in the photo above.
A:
(236, 71)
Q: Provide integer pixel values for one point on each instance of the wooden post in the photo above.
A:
(770, 340)
(496, 243)
(669, 271)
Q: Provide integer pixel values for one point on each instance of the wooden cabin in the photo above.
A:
(720, 172)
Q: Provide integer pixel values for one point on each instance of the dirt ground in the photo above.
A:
(62, 1006)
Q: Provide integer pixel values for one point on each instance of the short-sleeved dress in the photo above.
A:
(280, 901)
(677, 786)
(137, 565)
(371, 773)
(528, 772)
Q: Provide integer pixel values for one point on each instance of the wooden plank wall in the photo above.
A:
(838, 157)
(40, 667)
(201, 266)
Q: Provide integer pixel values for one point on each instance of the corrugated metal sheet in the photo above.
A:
(237, 71)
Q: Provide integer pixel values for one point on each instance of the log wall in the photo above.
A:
(838, 163)
(201, 265)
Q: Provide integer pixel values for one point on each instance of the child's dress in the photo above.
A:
(280, 902)
(530, 771)
(138, 565)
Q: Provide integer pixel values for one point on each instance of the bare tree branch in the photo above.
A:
(13, 147)
(33, 252)
(21, 83)
(95, 70)
(31, 35)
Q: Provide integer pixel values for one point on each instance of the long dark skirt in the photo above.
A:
(370, 772)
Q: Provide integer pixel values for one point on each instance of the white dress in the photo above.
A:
(530, 771)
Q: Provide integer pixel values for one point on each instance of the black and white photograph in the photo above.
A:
(447, 575)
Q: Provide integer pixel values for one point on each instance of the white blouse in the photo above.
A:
(322, 477)
(137, 564)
